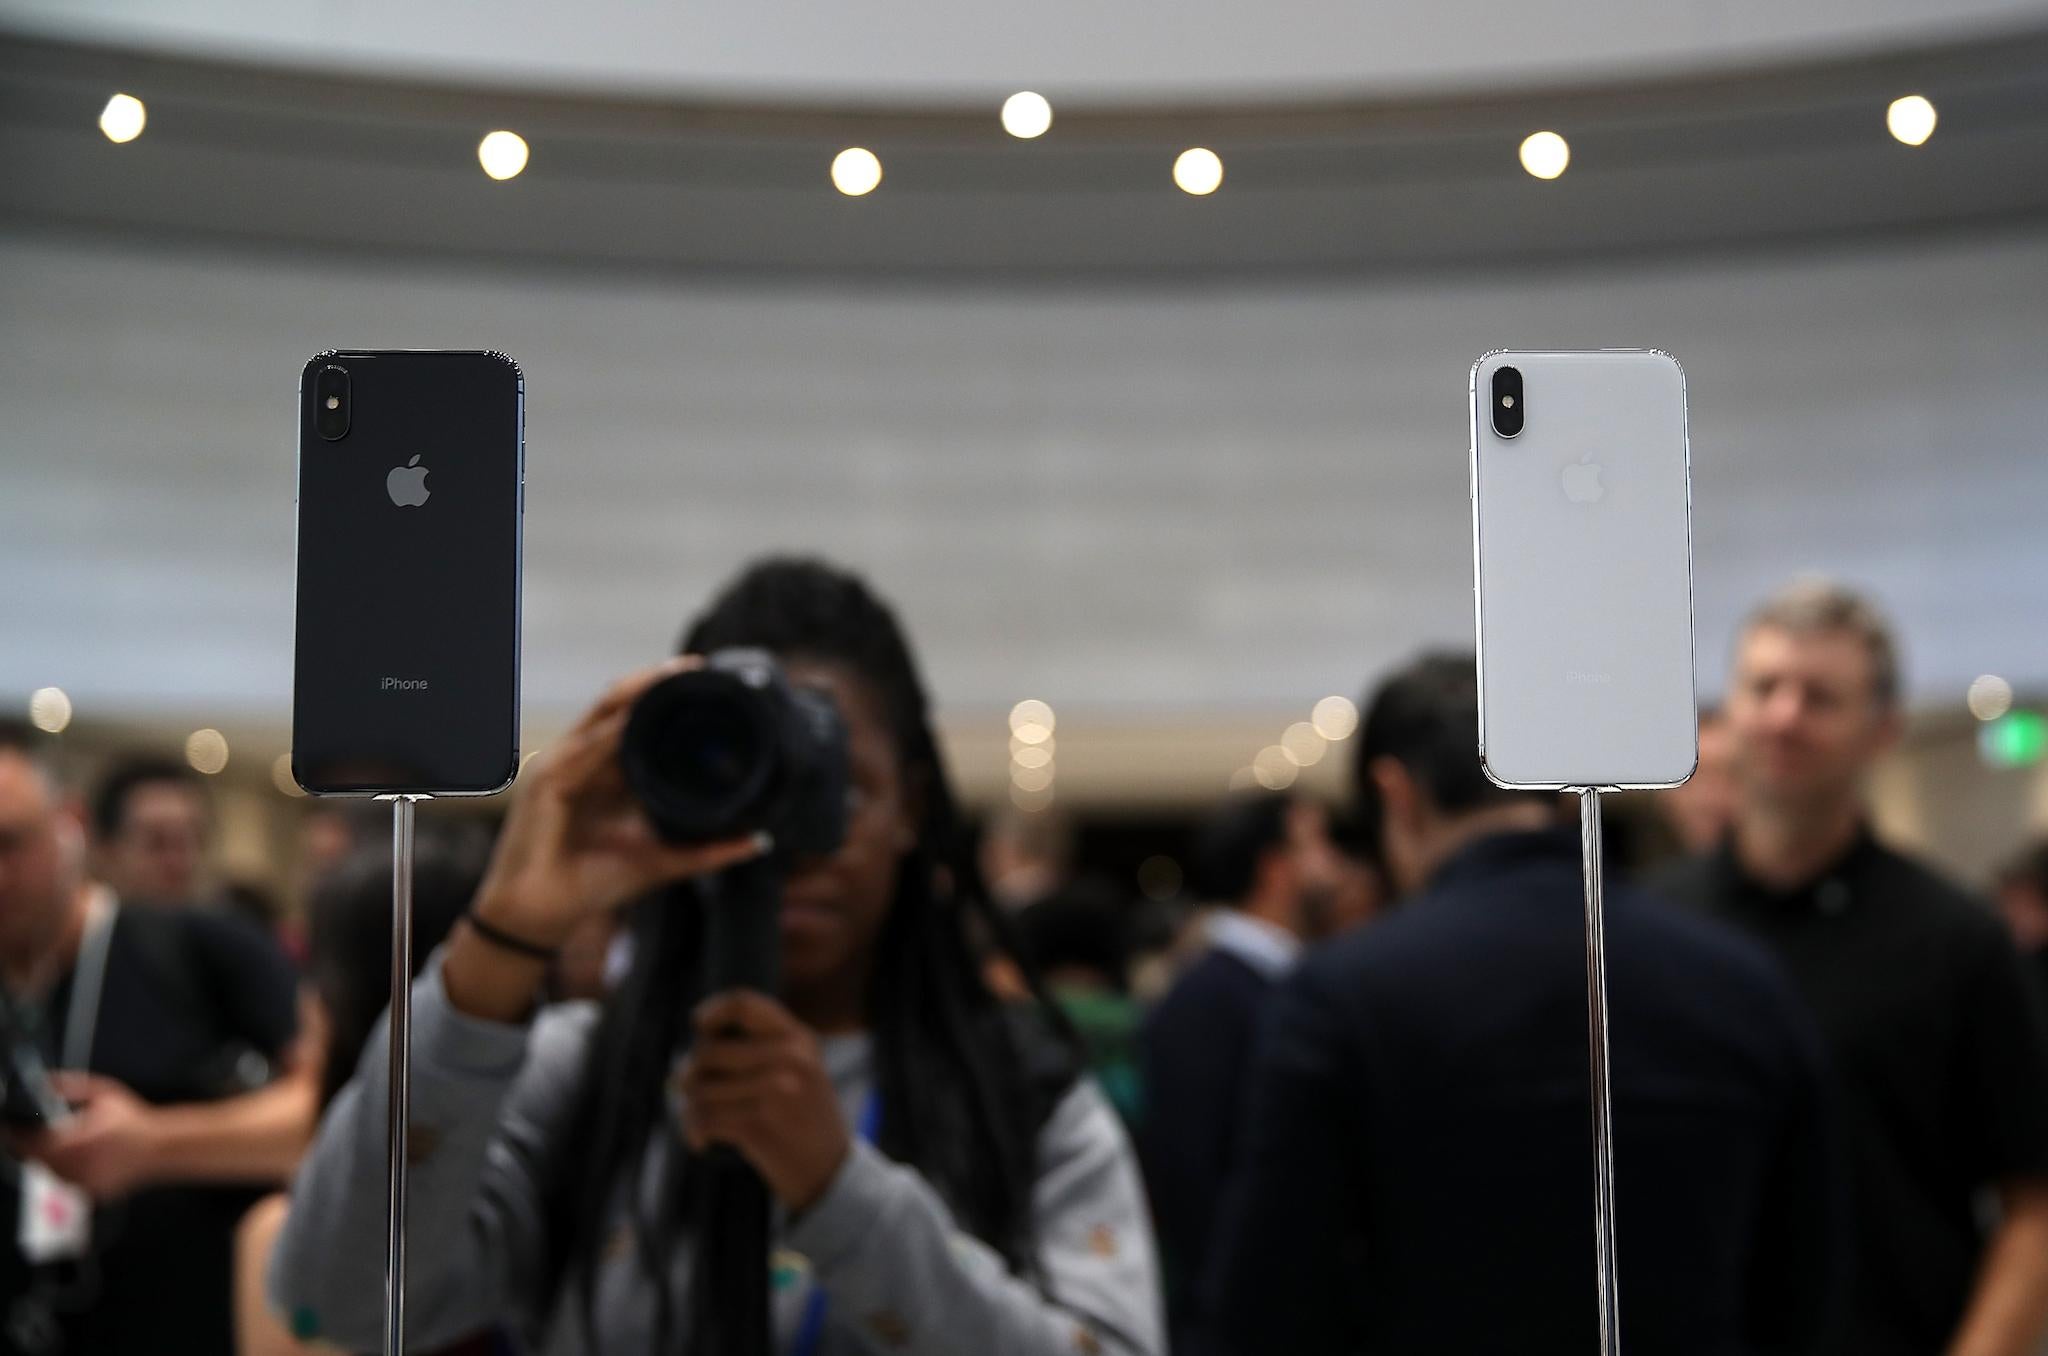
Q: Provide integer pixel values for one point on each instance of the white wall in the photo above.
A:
(1137, 505)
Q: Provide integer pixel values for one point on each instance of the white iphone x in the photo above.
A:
(1582, 560)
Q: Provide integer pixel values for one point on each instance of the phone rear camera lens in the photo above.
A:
(1508, 412)
(331, 403)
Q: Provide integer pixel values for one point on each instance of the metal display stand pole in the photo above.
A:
(742, 949)
(398, 1103)
(1603, 1095)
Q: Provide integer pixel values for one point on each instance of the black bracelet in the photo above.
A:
(498, 937)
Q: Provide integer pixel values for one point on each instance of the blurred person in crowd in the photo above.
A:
(349, 969)
(254, 905)
(2023, 899)
(1937, 1032)
(172, 1031)
(1416, 1171)
(1079, 940)
(1355, 889)
(946, 1180)
(150, 821)
(1265, 860)
(1163, 940)
(328, 832)
(1700, 813)
(331, 831)
(1025, 857)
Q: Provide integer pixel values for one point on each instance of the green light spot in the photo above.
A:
(2015, 739)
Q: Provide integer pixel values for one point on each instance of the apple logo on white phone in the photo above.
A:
(1582, 481)
(407, 484)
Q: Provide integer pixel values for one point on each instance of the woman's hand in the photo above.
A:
(755, 1080)
(576, 844)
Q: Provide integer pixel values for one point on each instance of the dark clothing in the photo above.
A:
(1417, 1173)
(1941, 1047)
(194, 1007)
(1194, 1052)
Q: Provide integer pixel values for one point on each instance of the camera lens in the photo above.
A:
(732, 748)
(1507, 401)
(330, 402)
(713, 751)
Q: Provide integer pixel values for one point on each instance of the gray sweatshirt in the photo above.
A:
(489, 1102)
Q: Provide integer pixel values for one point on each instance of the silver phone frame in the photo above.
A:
(1478, 626)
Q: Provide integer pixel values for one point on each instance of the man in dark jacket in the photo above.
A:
(1266, 862)
(1416, 1174)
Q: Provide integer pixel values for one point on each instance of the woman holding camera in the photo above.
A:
(943, 1179)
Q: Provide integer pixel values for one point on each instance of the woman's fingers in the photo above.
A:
(725, 1057)
(590, 746)
(745, 1010)
(701, 859)
(740, 1124)
(625, 691)
(581, 758)
(759, 1091)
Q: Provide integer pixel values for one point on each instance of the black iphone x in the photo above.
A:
(406, 652)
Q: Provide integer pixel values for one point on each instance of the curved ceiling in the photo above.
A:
(272, 159)
(929, 51)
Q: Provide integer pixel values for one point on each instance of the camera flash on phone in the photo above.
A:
(1506, 402)
(334, 402)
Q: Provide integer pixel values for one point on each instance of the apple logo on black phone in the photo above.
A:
(407, 484)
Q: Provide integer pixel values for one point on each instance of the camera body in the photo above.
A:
(732, 748)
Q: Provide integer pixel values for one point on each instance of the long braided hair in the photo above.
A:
(965, 1086)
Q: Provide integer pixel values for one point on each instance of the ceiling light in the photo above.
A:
(1026, 115)
(856, 171)
(1031, 778)
(123, 118)
(207, 751)
(1273, 768)
(1302, 745)
(1911, 119)
(1198, 171)
(1334, 718)
(1990, 697)
(1031, 722)
(1545, 154)
(502, 154)
(49, 709)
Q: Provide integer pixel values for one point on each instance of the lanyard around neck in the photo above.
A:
(812, 1329)
(88, 980)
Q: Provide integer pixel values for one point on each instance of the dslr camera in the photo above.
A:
(731, 749)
